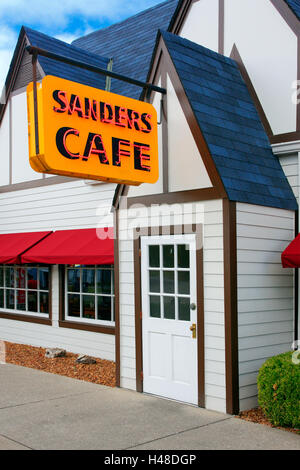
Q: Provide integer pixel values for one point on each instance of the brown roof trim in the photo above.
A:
(36, 183)
(221, 26)
(288, 15)
(193, 195)
(236, 56)
(179, 16)
(273, 138)
(231, 307)
(193, 124)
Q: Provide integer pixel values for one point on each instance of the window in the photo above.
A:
(90, 294)
(169, 274)
(25, 290)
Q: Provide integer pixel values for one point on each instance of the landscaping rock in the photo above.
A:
(56, 352)
(85, 360)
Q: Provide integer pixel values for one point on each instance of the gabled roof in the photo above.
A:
(130, 43)
(62, 70)
(295, 6)
(230, 125)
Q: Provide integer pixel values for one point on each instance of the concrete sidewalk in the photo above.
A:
(46, 411)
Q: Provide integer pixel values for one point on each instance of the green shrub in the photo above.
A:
(279, 390)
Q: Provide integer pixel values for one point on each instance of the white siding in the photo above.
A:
(202, 24)
(265, 292)
(268, 48)
(210, 215)
(21, 169)
(64, 206)
(289, 164)
(5, 147)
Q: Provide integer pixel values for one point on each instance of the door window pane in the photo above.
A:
(183, 254)
(155, 306)
(32, 278)
(44, 278)
(184, 282)
(169, 284)
(1, 276)
(21, 299)
(1, 298)
(104, 308)
(9, 277)
(88, 306)
(88, 280)
(169, 308)
(32, 301)
(168, 256)
(10, 299)
(104, 281)
(74, 305)
(73, 280)
(184, 313)
(154, 281)
(44, 302)
(154, 258)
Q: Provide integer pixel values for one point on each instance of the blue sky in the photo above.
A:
(63, 19)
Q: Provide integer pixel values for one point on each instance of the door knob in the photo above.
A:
(193, 306)
(193, 329)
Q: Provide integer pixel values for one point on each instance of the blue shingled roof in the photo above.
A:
(295, 6)
(130, 43)
(62, 70)
(230, 124)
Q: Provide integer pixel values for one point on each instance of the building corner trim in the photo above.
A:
(231, 307)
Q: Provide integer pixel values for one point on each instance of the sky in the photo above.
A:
(63, 19)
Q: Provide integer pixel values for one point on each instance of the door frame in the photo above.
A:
(196, 229)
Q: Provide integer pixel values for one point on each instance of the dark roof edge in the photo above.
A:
(12, 66)
(174, 17)
(122, 21)
(79, 49)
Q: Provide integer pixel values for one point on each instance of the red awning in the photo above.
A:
(291, 256)
(12, 245)
(84, 246)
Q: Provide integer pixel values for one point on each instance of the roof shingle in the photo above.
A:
(62, 70)
(230, 124)
(295, 6)
(130, 44)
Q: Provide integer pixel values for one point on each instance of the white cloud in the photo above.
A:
(63, 19)
(56, 13)
(8, 39)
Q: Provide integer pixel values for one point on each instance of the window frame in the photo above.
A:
(66, 321)
(25, 315)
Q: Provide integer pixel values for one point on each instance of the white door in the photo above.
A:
(168, 313)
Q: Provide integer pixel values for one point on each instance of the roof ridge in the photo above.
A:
(75, 48)
(124, 21)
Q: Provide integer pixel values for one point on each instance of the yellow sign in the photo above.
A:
(89, 133)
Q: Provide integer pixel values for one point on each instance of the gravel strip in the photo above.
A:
(103, 372)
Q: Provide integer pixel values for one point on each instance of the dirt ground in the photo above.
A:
(256, 415)
(103, 372)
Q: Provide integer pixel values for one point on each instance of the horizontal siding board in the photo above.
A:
(265, 291)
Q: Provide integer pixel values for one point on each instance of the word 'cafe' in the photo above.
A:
(103, 136)
(105, 113)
